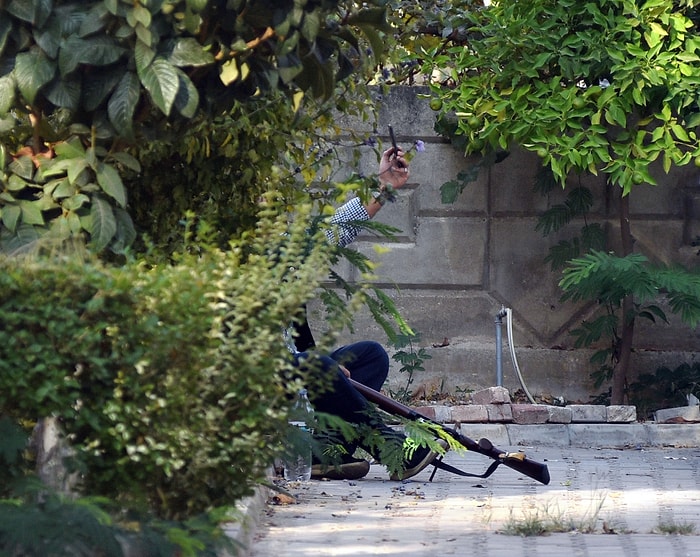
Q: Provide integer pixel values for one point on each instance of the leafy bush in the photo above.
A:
(166, 377)
(665, 388)
(51, 525)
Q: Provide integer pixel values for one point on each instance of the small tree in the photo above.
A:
(602, 88)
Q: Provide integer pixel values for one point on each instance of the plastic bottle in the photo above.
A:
(297, 461)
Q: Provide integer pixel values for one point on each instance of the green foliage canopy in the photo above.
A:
(605, 86)
(84, 86)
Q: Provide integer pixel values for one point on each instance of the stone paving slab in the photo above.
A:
(613, 500)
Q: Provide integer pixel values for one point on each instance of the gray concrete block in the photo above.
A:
(587, 413)
(443, 414)
(673, 435)
(437, 257)
(491, 395)
(499, 412)
(559, 415)
(608, 435)
(496, 433)
(470, 413)
(426, 411)
(621, 414)
(551, 435)
(529, 413)
(680, 414)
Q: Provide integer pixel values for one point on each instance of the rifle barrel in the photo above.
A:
(516, 461)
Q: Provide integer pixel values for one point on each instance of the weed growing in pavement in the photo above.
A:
(550, 520)
(671, 527)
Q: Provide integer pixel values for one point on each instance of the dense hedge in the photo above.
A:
(166, 378)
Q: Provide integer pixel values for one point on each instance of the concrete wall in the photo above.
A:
(455, 265)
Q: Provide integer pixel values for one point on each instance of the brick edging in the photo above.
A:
(528, 414)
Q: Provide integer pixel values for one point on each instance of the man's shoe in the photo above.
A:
(347, 469)
(421, 458)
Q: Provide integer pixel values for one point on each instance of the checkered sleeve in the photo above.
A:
(342, 230)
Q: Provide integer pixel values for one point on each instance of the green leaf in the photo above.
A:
(111, 5)
(64, 93)
(139, 14)
(311, 25)
(376, 17)
(15, 183)
(49, 39)
(23, 167)
(10, 216)
(75, 168)
(111, 183)
(122, 103)
(187, 52)
(35, 12)
(187, 98)
(75, 202)
(63, 189)
(99, 86)
(5, 28)
(680, 132)
(289, 67)
(103, 225)
(94, 21)
(31, 212)
(33, 70)
(143, 55)
(69, 54)
(93, 51)
(162, 82)
(7, 93)
(375, 39)
(23, 238)
(126, 233)
(70, 149)
(127, 160)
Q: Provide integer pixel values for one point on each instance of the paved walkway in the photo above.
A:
(609, 502)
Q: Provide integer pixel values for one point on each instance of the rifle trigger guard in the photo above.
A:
(438, 463)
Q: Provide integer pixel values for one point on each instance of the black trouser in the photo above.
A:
(368, 363)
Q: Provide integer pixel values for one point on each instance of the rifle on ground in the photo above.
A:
(517, 461)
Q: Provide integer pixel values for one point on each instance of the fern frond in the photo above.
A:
(593, 237)
(606, 277)
(545, 181)
(388, 306)
(562, 253)
(579, 200)
(358, 260)
(553, 219)
(687, 306)
(592, 331)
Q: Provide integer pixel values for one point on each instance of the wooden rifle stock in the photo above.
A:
(517, 461)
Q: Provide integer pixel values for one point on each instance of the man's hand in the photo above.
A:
(393, 168)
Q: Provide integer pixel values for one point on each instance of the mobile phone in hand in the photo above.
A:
(393, 140)
(395, 146)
